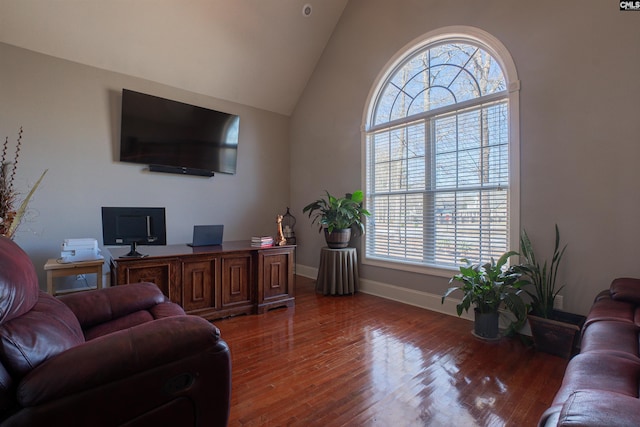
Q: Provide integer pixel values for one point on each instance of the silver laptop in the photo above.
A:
(207, 235)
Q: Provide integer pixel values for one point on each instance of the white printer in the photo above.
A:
(74, 250)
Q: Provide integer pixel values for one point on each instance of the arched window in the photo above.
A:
(441, 136)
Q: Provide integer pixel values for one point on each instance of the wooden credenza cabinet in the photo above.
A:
(213, 281)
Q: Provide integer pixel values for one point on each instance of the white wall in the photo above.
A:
(578, 63)
(71, 118)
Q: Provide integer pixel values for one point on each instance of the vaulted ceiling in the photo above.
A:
(259, 53)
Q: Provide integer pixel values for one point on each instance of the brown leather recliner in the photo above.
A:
(116, 356)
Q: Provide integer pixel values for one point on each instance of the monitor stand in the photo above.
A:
(133, 253)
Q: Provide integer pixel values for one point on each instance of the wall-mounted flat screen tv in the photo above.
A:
(172, 136)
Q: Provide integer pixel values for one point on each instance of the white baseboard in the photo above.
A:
(420, 299)
(413, 297)
(306, 271)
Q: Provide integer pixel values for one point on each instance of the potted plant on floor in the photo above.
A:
(337, 216)
(490, 287)
(553, 331)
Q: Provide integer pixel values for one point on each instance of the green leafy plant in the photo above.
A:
(490, 286)
(338, 213)
(541, 276)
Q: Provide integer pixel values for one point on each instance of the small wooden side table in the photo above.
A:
(59, 269)
(338, 271)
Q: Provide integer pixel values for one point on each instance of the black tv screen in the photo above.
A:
(176, 137)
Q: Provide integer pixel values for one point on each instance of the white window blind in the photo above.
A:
(437, 160)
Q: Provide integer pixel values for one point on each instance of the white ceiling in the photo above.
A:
(259, 53)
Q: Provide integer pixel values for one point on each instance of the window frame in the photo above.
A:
(461, 34)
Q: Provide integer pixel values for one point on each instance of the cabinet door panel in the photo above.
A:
(160, 274)
(236, 279)
(275, 279)
(198, 284)
(275, 274)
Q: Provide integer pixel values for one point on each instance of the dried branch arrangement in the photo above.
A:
(10, 217)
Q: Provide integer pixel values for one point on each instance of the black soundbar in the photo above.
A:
(180, 170)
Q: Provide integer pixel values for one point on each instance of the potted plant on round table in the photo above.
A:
(337, 216)
(490, 287)
(553, 331)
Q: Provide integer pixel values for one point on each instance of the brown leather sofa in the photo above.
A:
(121, 356)
(601, 384)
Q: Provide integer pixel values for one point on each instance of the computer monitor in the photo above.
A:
(133, 226)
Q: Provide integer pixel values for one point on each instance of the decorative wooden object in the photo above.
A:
(280, 240)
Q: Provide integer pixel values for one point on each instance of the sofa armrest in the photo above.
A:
(117, 356)
(600, 408)
(103, 305)
(625, 289)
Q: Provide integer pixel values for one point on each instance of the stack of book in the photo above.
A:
(262, 242)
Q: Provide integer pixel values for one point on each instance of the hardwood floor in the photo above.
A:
(366, 361)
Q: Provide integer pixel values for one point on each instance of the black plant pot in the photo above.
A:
(486, 325)
(337, 239)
